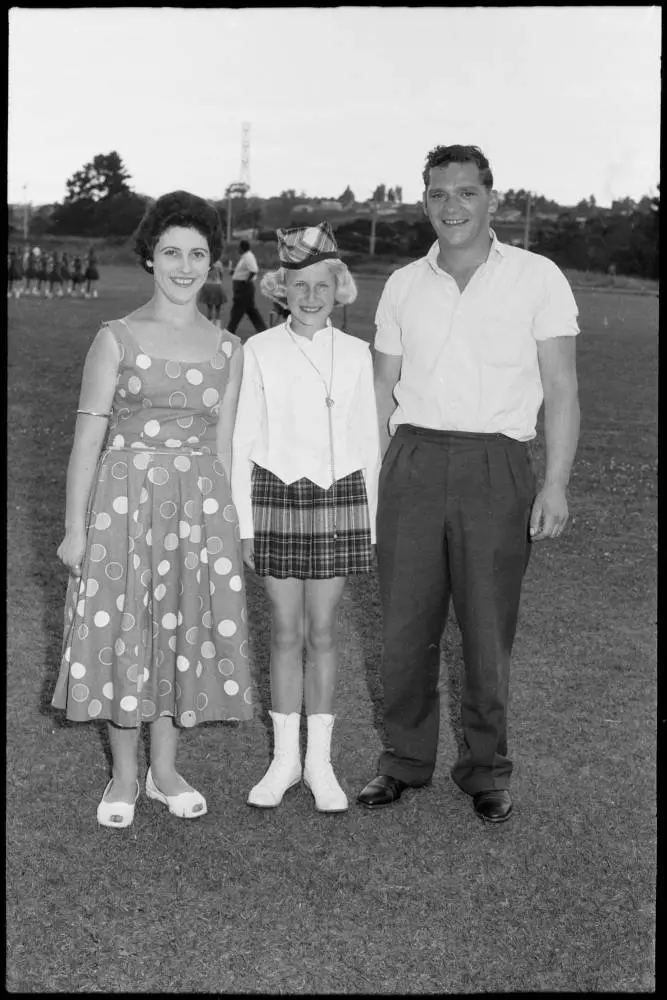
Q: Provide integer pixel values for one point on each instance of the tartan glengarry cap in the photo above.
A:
(306, 245)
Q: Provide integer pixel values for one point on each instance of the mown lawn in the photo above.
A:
(420, 898)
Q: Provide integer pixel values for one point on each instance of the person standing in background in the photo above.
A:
(212, 296)
(15, 275)
(66, 272)
(78, 275)
(56, 274)
(91, 274)
(243, 291)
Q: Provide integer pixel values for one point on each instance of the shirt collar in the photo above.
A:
(497, 249)
(323, 329)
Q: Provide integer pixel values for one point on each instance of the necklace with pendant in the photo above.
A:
(328, 398)
(329, 401)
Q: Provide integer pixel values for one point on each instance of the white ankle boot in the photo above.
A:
(318, 773)
(285, 768)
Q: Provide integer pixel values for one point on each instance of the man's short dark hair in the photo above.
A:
(442, 155)
(244, 246)
(178, 208)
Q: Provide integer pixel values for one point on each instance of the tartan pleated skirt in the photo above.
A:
(307, 532)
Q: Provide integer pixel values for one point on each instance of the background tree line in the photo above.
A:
(625, 239)
(626, 242)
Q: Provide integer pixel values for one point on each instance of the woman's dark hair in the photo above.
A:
(442, 155)
(178, 208)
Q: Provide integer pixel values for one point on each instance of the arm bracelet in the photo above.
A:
(91, 413)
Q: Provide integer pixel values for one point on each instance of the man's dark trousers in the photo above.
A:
(243, 302)
(453, 518)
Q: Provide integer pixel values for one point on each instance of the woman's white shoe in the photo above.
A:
(116, 814)
(185, 805)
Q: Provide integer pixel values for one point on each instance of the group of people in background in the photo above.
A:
(32, 271)
(35, 272)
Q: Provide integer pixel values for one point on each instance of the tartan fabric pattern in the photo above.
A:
(293, 526)
(301, 246)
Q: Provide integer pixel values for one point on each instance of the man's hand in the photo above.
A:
(549, 514)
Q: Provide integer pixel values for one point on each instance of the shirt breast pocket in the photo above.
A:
(505, 339)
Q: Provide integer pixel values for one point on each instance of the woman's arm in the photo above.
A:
(97, 389)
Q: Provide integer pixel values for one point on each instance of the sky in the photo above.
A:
(564, 101)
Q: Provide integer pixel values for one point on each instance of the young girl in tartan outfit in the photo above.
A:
(305, 469)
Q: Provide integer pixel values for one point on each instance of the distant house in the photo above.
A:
(330, 206)
(244, 234)
(508, 214)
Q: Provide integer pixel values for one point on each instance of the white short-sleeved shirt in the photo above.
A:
(469, 359)
(246, 266)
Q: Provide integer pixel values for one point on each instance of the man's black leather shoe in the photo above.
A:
(382, 791)
(494, 804)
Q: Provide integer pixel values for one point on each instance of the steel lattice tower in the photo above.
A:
(244, 177)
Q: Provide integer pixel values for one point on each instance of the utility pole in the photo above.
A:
(26, 212)
(228, 194)
(371, 247)
(526, 231)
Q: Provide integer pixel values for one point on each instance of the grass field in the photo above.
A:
(420, 898)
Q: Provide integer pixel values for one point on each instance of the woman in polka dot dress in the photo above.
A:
(156, 625)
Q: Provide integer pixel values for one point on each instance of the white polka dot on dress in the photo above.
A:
(210, 397)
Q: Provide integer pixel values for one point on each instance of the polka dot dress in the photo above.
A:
(156, 625)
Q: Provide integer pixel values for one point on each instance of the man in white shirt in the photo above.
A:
(243, 291)
(470, 340)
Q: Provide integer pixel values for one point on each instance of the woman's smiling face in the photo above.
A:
(181, 261)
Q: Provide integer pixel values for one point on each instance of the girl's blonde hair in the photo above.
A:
(273, 284)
